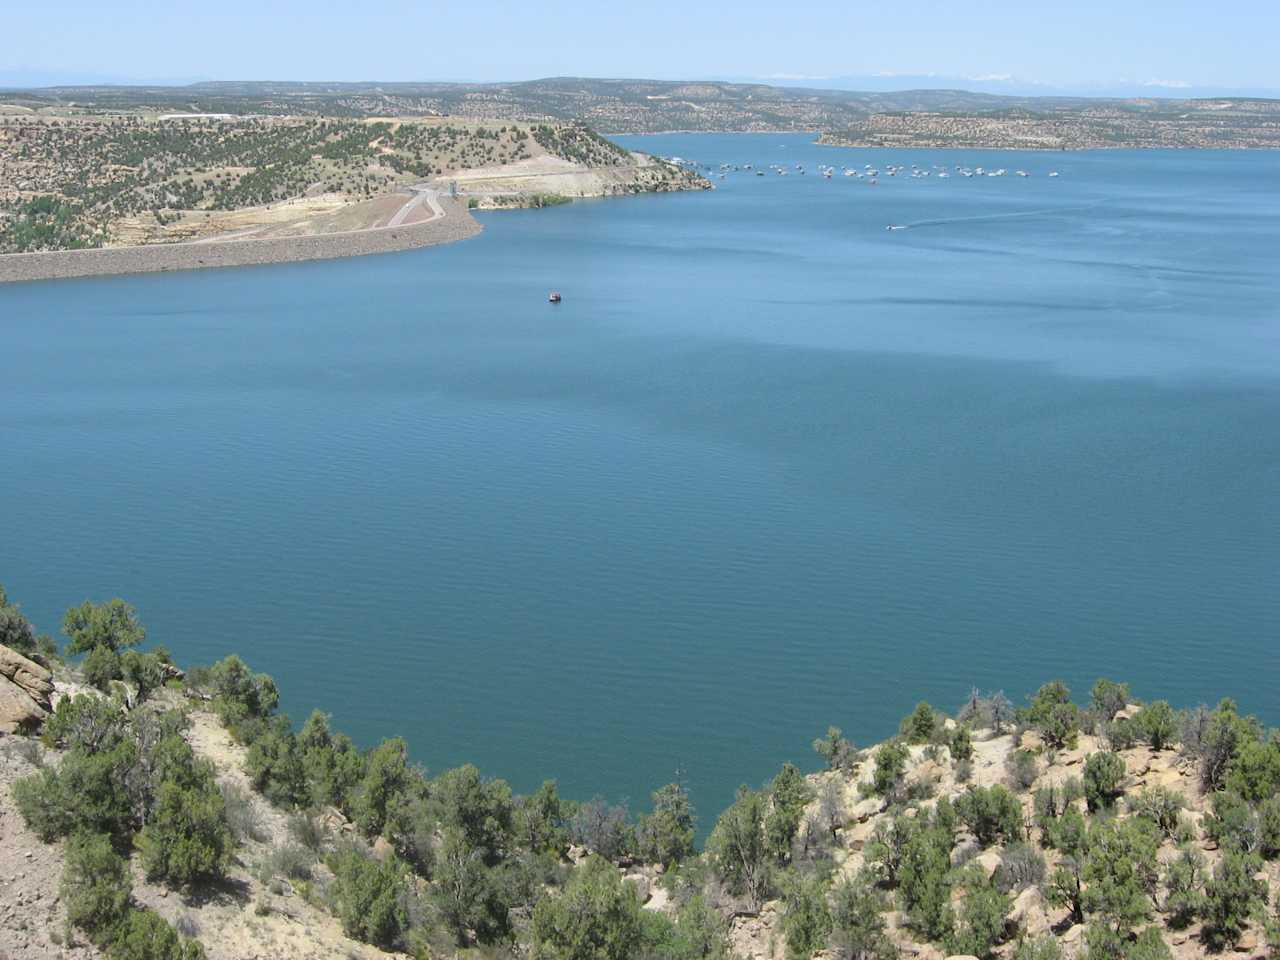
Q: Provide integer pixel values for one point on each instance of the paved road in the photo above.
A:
(422, 194)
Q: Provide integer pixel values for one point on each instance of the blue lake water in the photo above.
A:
(768, 467)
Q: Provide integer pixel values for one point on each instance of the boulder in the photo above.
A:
(25, 688)
(864, 810)
(1075, 934)
(18, 712)
(1069, 758)
(1029, 913)
(927, 772)
(989, 861)
(382, 849)
(1248, 942)
(28, 674)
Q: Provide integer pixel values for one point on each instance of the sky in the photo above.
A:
(1164, 46)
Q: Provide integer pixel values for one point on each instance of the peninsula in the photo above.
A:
(120, 193)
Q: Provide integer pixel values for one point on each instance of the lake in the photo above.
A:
(768, 467)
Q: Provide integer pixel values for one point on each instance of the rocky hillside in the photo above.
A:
(76, 182)
(1110, 830)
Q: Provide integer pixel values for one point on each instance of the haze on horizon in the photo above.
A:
(1172, 48)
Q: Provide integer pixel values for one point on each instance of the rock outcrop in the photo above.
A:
(25, 687)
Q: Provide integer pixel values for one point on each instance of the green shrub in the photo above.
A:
(467, 894)
(16, 631)
(1158, 724)
(1104, 780)
(1021, 866)
(368, 894)
(86, 793)
(980, 925)
(891, 766)
(1232, 897)
(187, 838)
(836, 751)
(1022, 768)
(886, 846)
(483, 810)
(992, 814)
(788, 794)
(144, 670)
(385, 780)
(1068, 833)
(1149, 945)
(923, 883)
(700, 933)
(961, 745)
(1107, 698)
(1120, 873)
(1160, 806)
(291, 861)
(806, 921)
(736, 848)
(101, 667)
(1184, 882)
(275, 768)
(597, 917)
(666, 835)
(539, 821)
(1233, 824)
(922, 726)
(1054, 716)
(1255, 771)
(1218, 739)
(145, 935)
(95, 887)
(1104, 942)
(240, 696)
(1269, 828)
(1038, 948)
(112, 626)
(857, 921)
(334, 767)
(44, 809)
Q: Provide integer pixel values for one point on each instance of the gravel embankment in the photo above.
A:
(457, 224)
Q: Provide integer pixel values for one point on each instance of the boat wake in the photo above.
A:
(991, 217)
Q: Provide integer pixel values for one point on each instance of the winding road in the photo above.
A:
(421, 194)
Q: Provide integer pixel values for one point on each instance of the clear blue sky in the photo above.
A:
(1065, 42)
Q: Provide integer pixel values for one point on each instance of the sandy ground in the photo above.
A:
(32, 917)
(245, 920)
(552, 175)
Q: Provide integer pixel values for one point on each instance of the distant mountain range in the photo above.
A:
(1005, 85)
(927, 116)
(997, 84)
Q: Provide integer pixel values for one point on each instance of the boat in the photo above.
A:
(554, 296)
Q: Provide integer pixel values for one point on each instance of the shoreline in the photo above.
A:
(457, 224)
